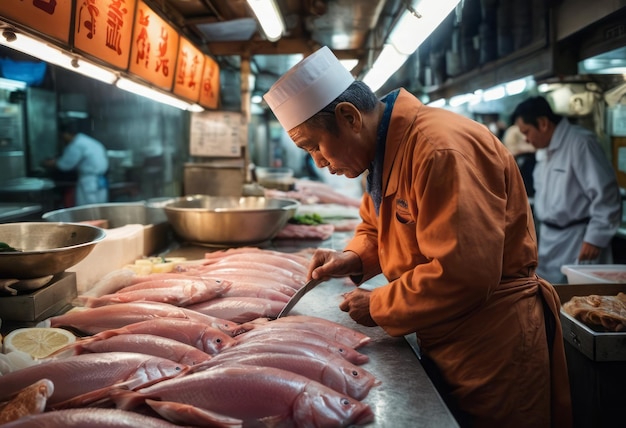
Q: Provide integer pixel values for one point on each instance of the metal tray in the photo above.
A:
(595, 345)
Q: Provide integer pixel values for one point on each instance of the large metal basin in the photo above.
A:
(229, 221)
(46, 248)
(117, 214)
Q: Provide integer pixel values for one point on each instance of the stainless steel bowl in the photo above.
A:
(117, 214)
(45, 248)
(229, 220)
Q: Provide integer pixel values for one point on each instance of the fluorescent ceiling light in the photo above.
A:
(269, 17)
(494, 93)
(12, 85)
(387, 63)
(56, 56)
(458, 100)
(413, 27)
(153, 94)
(516, 86)
(437, 103)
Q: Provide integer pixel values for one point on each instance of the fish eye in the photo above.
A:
(355, 373)
(342, 351)
(345, 402)
(218, 340)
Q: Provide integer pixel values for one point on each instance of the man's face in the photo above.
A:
(539, 136)
(339, 153)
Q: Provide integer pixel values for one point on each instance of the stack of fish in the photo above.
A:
(156, 361)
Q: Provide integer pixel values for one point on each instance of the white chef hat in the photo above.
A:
(308, 87)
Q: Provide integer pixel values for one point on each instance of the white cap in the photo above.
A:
(307, 88)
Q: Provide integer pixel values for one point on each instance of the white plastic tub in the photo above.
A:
(591, 274)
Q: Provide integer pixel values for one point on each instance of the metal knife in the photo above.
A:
(298, 295)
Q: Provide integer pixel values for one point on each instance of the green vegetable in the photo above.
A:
(307, 219)
(6, 248)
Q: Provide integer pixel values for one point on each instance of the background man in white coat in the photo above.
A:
(577, 197)
(88, 157)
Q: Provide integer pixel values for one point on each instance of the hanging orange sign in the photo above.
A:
(153, 48)
(49, 17)
(103, 28)
(189, 67)
(210, 87)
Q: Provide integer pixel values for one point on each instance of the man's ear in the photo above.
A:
(542, 123)
(347, 114)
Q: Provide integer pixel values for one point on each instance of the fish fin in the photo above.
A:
(125, 399)
(181, 413)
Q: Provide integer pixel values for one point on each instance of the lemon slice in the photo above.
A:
(38, 342)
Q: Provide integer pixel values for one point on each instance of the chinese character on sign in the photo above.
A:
(47, 6)
(207, 87)
(192, 74)
(90, 22)
(115, 23)
(180, 78)
(162, 60)
(143, 42)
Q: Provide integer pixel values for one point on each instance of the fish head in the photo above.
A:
(214, 341)
(155, 369)
(321, 406)
(341, 375)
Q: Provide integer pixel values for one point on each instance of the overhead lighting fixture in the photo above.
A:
(12, 85)
(495, 93)
(54, 55)
(153, 94)
(412, 29)
(441, 102)
(516, 86)
(269, 17)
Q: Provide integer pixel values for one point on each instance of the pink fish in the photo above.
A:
(141, 343)
(303, 337)
(240, 289)
(239, 309)
(180, 291)
(269, 259)
(336, 373)
(199, 335)
(327, 328)
(95, 320)
(253, 394)
(302, 257)
(84, 379)
(90, 418)
(251, 272)
(324, 351)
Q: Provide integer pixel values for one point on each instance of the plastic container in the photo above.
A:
(592, 274)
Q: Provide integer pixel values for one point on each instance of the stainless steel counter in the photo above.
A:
(406, 397)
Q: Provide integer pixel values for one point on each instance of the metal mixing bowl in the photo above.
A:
(45, 248)
(116, 214)
(229, 220)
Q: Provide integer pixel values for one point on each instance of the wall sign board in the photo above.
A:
(189, 65)
(103, 28)
(217, 134)
(210, 87)
(154, 47)
(49, 17)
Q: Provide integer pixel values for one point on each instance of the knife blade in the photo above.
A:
(311, 284)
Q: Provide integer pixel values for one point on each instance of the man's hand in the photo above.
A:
(327, 264)
(588, 252)
(357, 304)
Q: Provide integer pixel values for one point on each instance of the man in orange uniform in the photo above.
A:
(447, 221)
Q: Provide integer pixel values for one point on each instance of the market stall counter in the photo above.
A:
(406, 397)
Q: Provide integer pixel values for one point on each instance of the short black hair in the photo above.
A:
(532, 109)
(70, 126)
(358, 94)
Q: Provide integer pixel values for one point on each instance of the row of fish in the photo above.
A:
(152, 363)
(238, 285)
